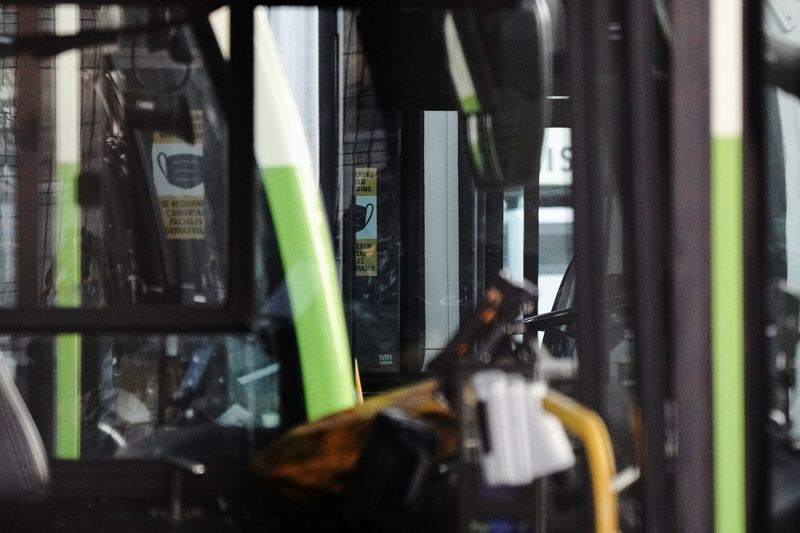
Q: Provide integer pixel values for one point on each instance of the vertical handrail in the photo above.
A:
(359, 390)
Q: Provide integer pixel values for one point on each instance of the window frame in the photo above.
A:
(237, 313)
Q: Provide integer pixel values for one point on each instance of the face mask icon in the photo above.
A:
(363, 214)
(181, 170)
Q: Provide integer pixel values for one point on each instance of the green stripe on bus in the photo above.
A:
(68, 243)
(470, 105)
(68, 397)
(68, 294)
(727, 310)
(307, 256)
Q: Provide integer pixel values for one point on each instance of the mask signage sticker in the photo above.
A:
(365, 221)
(178, 179)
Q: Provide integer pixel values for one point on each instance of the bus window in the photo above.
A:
(419, 234)
(123, 146)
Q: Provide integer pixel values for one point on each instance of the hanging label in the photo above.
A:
(178, 179)
(365, 221)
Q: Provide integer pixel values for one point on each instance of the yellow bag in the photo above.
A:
(316, 459)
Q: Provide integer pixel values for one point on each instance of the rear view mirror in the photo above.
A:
(501, 65)
(495, 65)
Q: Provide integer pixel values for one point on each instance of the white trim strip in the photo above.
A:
(726, 68)
(68, 88)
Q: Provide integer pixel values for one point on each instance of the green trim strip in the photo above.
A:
(68, 294)
(68, 252)
(307, 257)
(470, 105)
(727, 311)
(68, 398)
(475, 143)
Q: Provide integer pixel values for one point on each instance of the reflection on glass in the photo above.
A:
(372, 185)
(124, 145)
(147, 396)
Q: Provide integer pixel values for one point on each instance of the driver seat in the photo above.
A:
(23, 461)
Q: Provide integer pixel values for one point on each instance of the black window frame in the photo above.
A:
(236, 315)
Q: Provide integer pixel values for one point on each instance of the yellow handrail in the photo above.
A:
(359, 391)
(591, 430)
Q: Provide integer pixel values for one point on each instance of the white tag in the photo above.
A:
(552, 450)
(525, 442)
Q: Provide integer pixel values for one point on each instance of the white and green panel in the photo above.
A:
(68, 235)
(459, 69)
(303, 235)
(727, 279)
